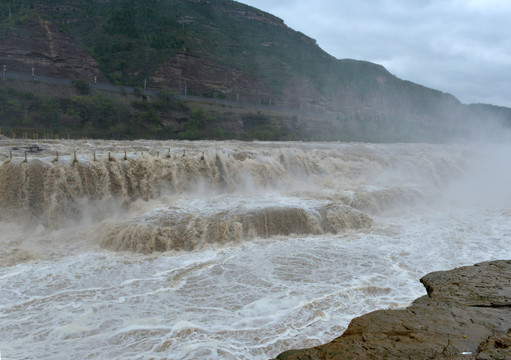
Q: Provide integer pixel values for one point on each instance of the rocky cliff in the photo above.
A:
(227, 50)
(204, 77)
(465, 315)
(221, 48)
(40, 45)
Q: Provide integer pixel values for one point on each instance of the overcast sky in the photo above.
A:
(462, 47)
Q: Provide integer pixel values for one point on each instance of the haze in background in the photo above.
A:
(230, 250)
(461, 47)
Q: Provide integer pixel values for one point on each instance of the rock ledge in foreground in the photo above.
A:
(466, 315)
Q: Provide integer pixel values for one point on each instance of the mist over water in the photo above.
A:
(230, 250)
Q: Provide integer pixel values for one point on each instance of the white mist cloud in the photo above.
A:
(458, 46)
(486, 182)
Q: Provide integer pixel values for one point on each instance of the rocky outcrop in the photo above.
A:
(249, 13)
(466, 315)
(40, 45)
(205, 77)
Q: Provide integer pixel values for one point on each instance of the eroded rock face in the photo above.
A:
(206, 78)
(466, 315)
(40, 45)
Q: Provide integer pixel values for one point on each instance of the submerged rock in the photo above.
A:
(466, 315)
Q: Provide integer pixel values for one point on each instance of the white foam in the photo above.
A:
(63, 296)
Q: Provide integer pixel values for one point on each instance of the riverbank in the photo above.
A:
(465, 315)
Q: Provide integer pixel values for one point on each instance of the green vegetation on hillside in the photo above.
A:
(132, 39)
(104, 116)
(94, 116)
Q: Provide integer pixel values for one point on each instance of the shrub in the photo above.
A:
(81, 86)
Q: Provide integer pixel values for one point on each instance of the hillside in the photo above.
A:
(219, 49)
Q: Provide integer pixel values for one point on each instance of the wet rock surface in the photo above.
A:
(466, 315)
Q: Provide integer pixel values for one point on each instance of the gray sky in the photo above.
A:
(462, 47)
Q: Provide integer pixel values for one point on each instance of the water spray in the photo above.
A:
(10, 157)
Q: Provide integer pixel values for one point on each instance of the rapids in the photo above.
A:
(230, 250)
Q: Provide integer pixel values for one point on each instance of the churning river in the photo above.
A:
(230, 250)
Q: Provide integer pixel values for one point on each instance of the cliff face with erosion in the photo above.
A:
(205, 77)
(465, 315)
(40, 45)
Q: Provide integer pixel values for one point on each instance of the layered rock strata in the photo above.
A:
(39, 45)
(466, 314)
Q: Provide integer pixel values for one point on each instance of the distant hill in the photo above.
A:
(220, 49)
